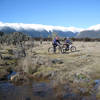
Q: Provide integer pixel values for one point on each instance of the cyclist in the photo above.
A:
(55, 43)
(67, 43)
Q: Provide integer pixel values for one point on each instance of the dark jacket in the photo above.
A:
(56, 42)
(68, 42)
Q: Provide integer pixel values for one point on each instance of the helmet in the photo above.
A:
(67, 37)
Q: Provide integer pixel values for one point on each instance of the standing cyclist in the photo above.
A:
(55, 43)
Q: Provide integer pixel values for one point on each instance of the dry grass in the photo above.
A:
(86, 59)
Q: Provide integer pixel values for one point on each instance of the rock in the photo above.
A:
(19, 77)
(57, 61)
(14, 77)
(11, 73)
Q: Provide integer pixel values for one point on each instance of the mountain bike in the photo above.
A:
(58, 49)
(71, 48)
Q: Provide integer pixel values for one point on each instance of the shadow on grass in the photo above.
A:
(68, 52)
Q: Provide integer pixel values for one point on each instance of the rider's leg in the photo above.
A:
(67, 46)
(54, 48)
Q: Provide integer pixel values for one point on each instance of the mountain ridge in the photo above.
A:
(37, 30)
(38, 33)
(89, 34)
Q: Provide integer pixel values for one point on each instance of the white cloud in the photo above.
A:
(18, 26)
(95, 27)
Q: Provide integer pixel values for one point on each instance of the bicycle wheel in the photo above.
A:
(50, 50)
(73, 49)
(59, 49)
(63, 49)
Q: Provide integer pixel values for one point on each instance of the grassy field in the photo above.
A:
(79, 69)
(39, 62)
(85, 60)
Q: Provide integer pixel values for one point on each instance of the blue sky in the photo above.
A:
(77, 13)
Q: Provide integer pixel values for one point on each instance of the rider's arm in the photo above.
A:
(58, 42)
(70, 41)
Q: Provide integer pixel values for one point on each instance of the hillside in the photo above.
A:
(38, 33)
(89, 34)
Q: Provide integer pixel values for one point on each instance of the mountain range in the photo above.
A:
(89, 34)
(39, 33)
(37, 30)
